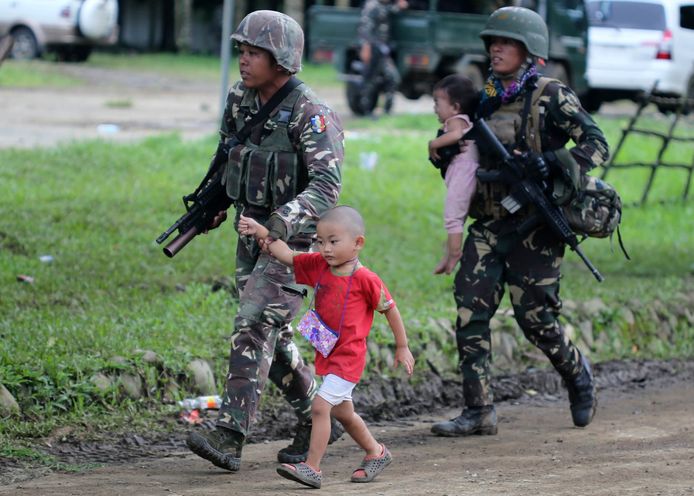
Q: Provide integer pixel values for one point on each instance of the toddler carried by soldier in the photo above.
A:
(455, 99)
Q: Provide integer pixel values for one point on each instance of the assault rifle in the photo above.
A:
(202, 205)
(526, 190)
(210, 197)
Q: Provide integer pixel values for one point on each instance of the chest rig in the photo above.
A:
(507, 123)
(267, 174)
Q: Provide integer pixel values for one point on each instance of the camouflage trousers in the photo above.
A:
(262, 345)
(530, 266)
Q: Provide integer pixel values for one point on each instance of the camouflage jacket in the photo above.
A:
(316, 135)
(561, 117)
(374, 23)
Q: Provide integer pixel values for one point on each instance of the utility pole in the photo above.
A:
(227, 20)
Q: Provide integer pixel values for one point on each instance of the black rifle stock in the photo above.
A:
(526, 191)
(202, 206)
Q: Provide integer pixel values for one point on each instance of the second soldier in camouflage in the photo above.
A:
(536, 115)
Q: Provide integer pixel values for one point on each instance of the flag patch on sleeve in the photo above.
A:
(318, 123)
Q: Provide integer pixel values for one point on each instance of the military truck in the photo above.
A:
(434, 38)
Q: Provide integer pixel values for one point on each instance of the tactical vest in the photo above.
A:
(271, 173)
(506, 123)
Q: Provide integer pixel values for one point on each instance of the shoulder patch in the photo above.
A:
(568, 102)
(318, 123)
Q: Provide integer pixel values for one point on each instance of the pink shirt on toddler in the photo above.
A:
(461, 182)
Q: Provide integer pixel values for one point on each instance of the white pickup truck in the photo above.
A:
(69, 28)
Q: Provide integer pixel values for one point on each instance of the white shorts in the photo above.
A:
(335, 389)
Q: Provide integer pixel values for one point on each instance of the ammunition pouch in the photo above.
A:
(267, 174)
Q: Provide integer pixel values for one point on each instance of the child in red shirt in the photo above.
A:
(346, 296)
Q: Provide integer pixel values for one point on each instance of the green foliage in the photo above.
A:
(23, 74)
(32, 74)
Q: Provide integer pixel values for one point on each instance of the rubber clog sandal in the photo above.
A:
(301, 473)
(373, 465)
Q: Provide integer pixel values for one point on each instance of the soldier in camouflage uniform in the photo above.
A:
(496, 253)
(374, 36)
(285, 175)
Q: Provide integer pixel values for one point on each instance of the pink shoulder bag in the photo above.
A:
(318, 333)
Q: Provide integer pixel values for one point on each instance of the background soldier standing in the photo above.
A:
(495, 252)
(374, 36)
(285, 175)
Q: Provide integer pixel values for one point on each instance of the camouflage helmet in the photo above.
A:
(275, 32)
(518, 23)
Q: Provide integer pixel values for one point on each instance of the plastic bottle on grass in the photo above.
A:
(201, 403)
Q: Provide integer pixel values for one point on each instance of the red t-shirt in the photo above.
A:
(367, 294)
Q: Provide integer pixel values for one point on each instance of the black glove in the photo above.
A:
(446, 154)
(277, 228)
(535, 166)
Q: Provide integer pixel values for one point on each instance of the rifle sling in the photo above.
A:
(261, 116)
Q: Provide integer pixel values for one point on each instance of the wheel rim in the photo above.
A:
(24, 46)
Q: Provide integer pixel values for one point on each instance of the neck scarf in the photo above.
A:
(494, 95)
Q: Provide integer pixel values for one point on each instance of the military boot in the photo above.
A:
(298, 450)
(582, 395)
(222, 447)
(474, 420)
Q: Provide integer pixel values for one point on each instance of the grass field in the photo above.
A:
(106, 290)
(44, 72)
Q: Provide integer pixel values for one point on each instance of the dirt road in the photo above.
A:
(124, 105)
(114, 105)
(640, 443)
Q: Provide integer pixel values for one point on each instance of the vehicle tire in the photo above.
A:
(557, 70)
(409, 92)
(353, 92)
(591, 101)
(25, 46)
(474, 73)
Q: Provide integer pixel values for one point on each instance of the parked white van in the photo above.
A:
(632, 44)
(70, 28)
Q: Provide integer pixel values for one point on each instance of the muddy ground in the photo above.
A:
(640, 442)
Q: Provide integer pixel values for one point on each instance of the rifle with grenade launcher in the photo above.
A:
(526, 190)
(202, 205)
(210, 197)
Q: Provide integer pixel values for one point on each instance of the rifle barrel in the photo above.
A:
(589, 264)
(162, 237)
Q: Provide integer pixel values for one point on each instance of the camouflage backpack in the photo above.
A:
(596, 209)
